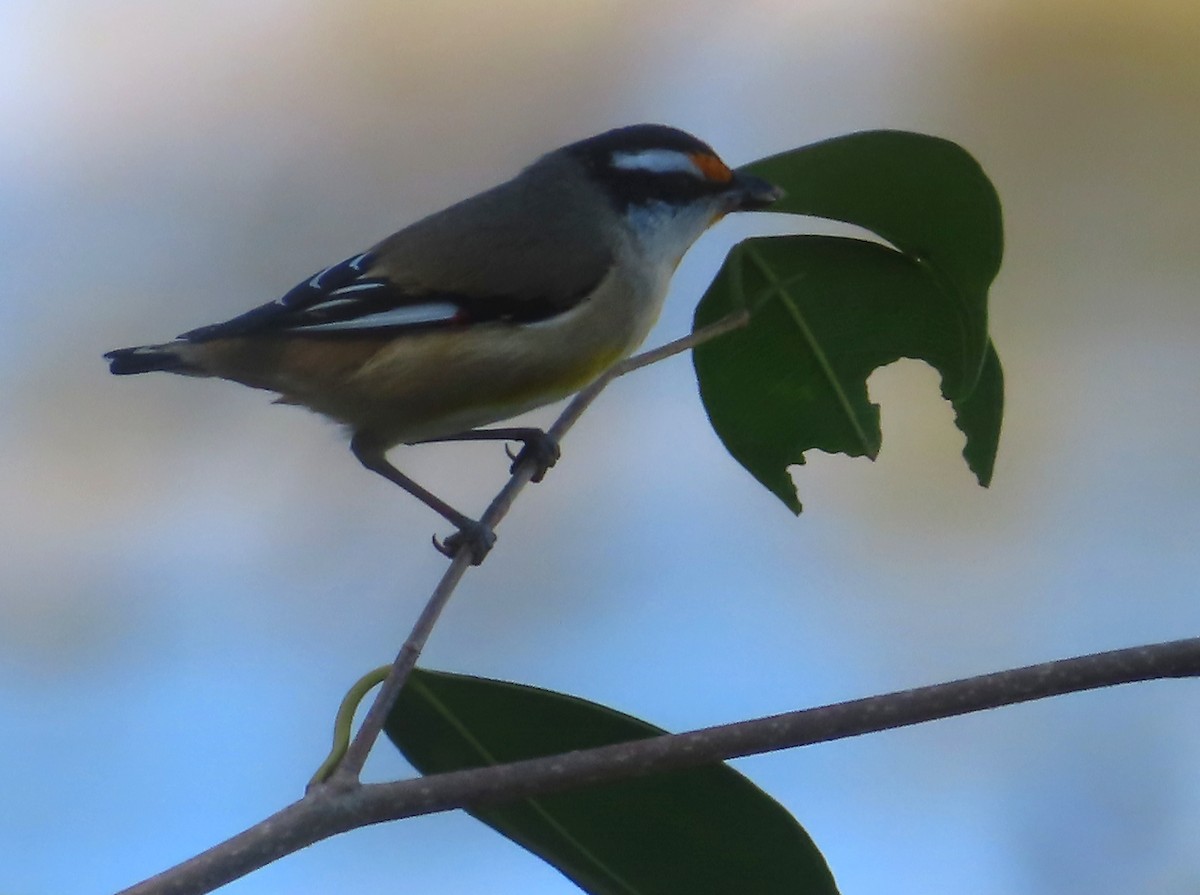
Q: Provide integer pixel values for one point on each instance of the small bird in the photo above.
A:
(508, 300)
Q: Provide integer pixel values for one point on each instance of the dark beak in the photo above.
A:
(753, 193)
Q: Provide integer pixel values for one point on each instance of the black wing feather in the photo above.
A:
(342, 300)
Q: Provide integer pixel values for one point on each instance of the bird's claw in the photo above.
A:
(542, 448)
(476, 538)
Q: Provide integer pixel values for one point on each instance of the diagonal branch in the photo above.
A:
(328, 811)
(350, 767)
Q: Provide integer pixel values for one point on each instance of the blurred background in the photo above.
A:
(190, 578)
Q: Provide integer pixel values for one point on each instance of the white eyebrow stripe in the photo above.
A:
(410, 315)
(657, 161)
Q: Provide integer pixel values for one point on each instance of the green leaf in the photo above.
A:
(826, 311)
(926, 196)
(704, 830)
(978, 416)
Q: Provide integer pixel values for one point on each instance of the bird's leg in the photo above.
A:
(538, 445)
(477, 536)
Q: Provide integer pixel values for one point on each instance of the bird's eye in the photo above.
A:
(635, 177)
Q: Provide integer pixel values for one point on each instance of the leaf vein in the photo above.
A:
(471, 740)
(777, 289)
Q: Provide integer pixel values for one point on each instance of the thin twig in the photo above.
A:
(350, 767)
(327, 812)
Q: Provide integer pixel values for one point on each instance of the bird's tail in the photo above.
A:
(146, 359)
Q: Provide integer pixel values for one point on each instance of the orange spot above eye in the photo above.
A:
(712, 167)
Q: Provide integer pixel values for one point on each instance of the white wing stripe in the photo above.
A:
(411, 315)
(315, 282)
(333, 303)
(358, 287)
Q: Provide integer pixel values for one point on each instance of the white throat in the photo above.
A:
(664, 232)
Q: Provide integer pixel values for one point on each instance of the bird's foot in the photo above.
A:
(539, 446)
(474, 537)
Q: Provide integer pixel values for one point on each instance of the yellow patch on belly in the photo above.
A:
(550, 386)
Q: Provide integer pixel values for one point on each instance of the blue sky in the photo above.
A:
(192, 577)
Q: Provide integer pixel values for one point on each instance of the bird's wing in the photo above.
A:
(521, 252)
(356, 298)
